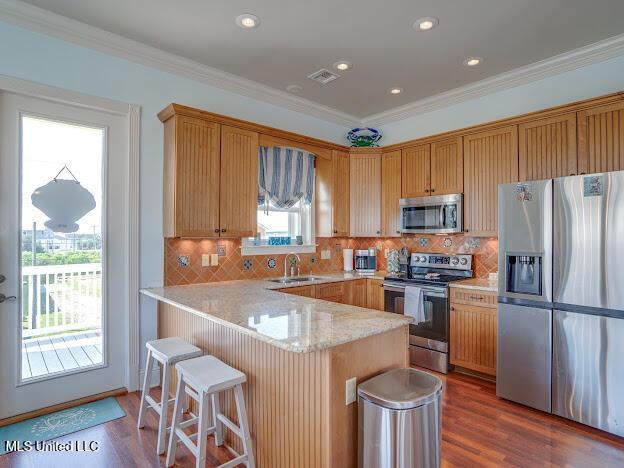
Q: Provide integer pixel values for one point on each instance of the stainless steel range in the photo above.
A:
(431, 273)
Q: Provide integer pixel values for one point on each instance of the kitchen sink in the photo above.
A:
(297, 279)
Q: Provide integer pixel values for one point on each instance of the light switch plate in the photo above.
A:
(350, 390)
(325, 254)
(205, 260)
(214, 259)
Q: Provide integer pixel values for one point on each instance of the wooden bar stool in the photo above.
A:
(203, 378)
(168, 352)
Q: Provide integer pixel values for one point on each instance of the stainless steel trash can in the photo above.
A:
(399, 420)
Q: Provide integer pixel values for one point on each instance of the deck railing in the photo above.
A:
(59, 298)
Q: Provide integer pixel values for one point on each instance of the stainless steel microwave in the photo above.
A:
(441, 214)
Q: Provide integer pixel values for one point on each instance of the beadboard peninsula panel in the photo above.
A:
(295, 401)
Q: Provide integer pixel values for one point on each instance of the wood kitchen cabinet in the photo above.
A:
(416, 172)
(333, 292)
(473, 328)
(391, 194)
(191, 177)
(374, 294)
(210, 179)
(365, 195)
(332, 195)
(547, 148)
(490, 158)
(355, 292)
(305, 291)
(238, 206)
(601, 139)
(447, 167)
(433, 169)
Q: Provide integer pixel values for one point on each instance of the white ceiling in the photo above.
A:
(298, 37)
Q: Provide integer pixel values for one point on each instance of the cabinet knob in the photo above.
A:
(378, 232)
(582, 173)
(335, 232)
(217, 230)
(432, 190)
(426, 190)
(223, 230)
(452, 308)
(398, 232)
(573, 174)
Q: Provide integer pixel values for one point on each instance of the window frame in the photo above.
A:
(307, 216)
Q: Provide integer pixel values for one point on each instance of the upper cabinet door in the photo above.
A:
(390, 194)
(601, 139)
(447, 167)
(323, 196)
(239, 182)
(340, 202)
(191, 177)
(547, 148)
(365, 195)
(490, 158)
(416, 180)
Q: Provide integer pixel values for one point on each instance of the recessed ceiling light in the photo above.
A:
(472, 61)
(248, 21)
(343, 65)
(294, 88)
(425, 24)
(395, 90)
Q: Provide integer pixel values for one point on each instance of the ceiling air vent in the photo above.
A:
(323, 76)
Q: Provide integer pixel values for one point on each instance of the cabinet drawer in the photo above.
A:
(306, 291)
(474, 297)
(330, 292)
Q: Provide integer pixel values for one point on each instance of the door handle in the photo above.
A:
(2, 278)
(4, 298)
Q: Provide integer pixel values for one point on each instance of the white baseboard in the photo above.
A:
(155, 379)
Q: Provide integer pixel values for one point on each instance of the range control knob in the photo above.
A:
(454, 261)
(423, 259)
(463, 261)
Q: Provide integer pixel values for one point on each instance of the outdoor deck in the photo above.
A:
(60, 353)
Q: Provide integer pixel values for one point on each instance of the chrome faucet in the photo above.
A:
(292, 269)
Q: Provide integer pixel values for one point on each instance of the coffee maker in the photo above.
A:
(366, 261)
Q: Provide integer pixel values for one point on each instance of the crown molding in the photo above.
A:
(578, 58)
(37, 19)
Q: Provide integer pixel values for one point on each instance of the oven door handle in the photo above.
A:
(442, 292)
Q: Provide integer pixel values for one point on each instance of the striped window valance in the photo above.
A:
(285, 176)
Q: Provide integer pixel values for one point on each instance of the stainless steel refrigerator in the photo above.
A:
(561, 297)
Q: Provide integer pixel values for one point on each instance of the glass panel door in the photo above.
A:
(61, 246)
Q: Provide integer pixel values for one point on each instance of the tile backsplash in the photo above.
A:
(183, 257)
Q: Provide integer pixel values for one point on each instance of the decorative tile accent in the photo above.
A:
(221, 250)
(423, 241)
(337, 248)
(448, 242)
(473, 243)
(247, 264)
(271, 263)
(183, 261)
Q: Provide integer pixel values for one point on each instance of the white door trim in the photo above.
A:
(132, 112)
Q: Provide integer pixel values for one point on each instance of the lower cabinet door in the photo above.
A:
(374, 294)
(473, 338)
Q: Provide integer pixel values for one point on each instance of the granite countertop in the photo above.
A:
(482, 284)
(294, 323)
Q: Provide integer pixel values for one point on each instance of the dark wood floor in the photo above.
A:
(478, 429)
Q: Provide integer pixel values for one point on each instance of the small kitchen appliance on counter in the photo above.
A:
(366, 261)
(431, 274)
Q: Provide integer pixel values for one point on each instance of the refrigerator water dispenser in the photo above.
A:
(524, 273)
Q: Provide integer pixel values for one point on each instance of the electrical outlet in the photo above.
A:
(325, 254)
(205, 260)
(350, 390)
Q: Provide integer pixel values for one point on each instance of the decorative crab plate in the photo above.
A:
(364, 137)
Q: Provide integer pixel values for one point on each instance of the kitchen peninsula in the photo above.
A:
(297, 353)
